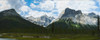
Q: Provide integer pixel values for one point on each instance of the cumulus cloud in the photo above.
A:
(25, 8)
(23, 1)
(33, 6)
(54, 6)
(33, 13)
(9, 4)
(47, 5)
(15, 4)
(85, 6)
(4, 5)
(61, 5)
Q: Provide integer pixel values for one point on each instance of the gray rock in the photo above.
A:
(42, 21)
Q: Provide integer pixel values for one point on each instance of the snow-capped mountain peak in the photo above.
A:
(79, 17)
(85, 19)
(42, 21)
(70, 13)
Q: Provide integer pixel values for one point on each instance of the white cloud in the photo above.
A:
(99, 6)
(9, 4)
(20, 6)
(47, 5)
(85, 6)
(35, 13)
(38, 14)
(16, 4)
(4, 5)
(61, 5)
(33, 6)
(36, 1)
(25, 8)
(24, 2)
(31, 12)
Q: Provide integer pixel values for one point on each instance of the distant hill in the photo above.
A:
(11, 21)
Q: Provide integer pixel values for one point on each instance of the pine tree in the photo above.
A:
(98, 24)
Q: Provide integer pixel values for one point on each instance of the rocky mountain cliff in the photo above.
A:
(79, 17)
(42, 21)
(71, 21)
(69, 13)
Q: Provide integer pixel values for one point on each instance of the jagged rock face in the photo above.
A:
(92, 15)
(85, 19)
(42, 21)
(79, 17)
(70, 13)
(10, 12)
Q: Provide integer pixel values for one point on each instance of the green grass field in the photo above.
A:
(19, 36)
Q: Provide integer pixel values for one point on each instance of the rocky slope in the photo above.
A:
(11, 21)
(42, 21)
(71, 21)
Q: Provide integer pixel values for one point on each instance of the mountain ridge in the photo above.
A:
(70, 13)
(13, 22)
(73, 23)
(9, 12)
(42, 21)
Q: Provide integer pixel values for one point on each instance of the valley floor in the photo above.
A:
(30, 36)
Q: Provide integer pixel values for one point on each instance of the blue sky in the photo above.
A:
(93, 3)
(37, 8)
(33, 1)
(38, 3)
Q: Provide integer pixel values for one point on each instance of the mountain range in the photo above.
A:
(42, 21)
(72, 21)
(11, 21)
(79, 17)
(75, 15)
(69, 13)
(69, 21)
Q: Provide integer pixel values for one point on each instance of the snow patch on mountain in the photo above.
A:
(42, 21)
(78, 16)
(85, 19)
